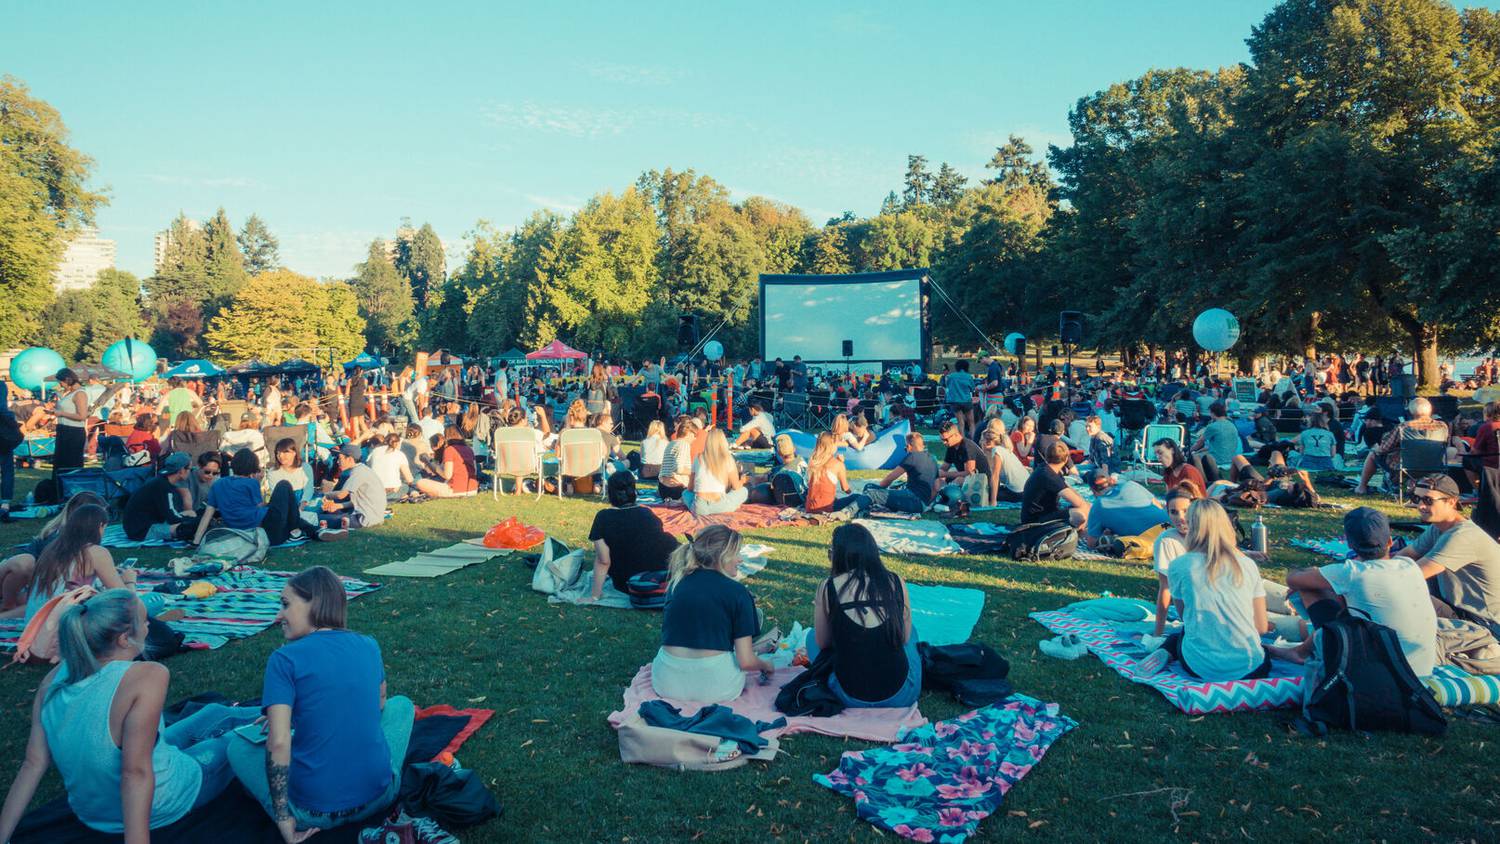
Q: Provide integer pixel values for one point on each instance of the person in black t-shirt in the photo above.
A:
(151, 511)
(921, 473)
(709, 623)
(1047, 496)
(964, 458)
(628, 539)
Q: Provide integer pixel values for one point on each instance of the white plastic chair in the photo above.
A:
(580, 453)
(515, 457)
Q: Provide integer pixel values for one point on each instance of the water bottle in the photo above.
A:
(1258, 536)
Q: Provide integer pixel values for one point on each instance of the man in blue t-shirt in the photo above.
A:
(1121, 507)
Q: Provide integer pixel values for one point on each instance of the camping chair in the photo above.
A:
(580, 454)
(202, 443)
(1157, 431)
(820, 409)
(793, 410)
(1417, 459)
(276, 433)
(515, 457)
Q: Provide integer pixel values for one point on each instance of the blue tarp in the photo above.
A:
(195, 369)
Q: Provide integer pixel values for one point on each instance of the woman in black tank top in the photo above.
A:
(862, 613)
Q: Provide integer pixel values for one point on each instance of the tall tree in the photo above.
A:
(43, 202)
(384, 299)
(419, 257)
(827, 251)
(223, 265)
(259, 246)
(1015, 168)
(916, 187)
(948, 186)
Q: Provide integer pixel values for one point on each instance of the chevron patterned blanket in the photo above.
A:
(1120, 651)
(246, 603)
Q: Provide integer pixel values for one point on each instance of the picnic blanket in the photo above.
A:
(234, 817)
(758, 703)
(439, 561)
(944, 615)
(922, 536)
(939, 781)
(1120, 649)
(246, 603)
(679, 521)
(980, 537)
(580, 591)
(37, 511)
(114, 537)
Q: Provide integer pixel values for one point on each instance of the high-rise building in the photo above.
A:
(86, 255)
(164, 241)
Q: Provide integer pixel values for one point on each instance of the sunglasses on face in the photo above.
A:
(1429, 500)
(209, 472)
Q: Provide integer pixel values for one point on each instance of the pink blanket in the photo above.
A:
(758, 703)
(678, 521)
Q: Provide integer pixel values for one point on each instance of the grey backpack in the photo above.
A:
(1468, 646)
(245, 547)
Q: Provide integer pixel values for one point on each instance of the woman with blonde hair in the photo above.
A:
(647, 461)
(827, 478)
(843, 436)
(578, 415)
(718, 486)
(709, 623)
(1222, 603)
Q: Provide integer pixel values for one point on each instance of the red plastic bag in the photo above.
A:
(513, 534)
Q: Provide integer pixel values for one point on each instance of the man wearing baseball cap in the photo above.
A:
(1389, 590)
(151, 512)
(359, 498)
(1460, 561)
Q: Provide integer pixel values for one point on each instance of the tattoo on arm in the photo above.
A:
(276, 778)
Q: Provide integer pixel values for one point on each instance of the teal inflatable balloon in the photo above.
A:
(713, 350)
(1216, 330)
(33, 366)
(132, 357)
(1013, 341)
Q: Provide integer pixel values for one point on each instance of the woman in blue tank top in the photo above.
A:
(99, 717)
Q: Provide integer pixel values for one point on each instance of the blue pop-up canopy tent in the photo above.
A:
(196, 368)
(367, 362)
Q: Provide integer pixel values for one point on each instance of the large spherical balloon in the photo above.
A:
(1013, 341)
(713, 350)
(131, 357)
(914, 371)
(1216, 329)
(33, 366)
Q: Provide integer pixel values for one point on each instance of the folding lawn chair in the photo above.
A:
(1158, 431)
(580, 454)
(793, 411)
(1418, 459)
(515, 457)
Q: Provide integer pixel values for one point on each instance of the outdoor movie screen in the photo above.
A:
(811, 316)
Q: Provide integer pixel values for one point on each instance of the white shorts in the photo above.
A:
(711, 679)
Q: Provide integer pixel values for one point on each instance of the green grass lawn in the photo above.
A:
(1134, 769)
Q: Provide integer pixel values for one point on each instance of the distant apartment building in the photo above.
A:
(164, 241)
(86, 255)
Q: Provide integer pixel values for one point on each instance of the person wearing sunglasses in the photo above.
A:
(195, 488)
(1460, 561)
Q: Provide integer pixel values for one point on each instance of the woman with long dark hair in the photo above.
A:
(1176, 470)
(72, 420)
(98, 716)
(862, 612)
(75, 558)
(17, 569)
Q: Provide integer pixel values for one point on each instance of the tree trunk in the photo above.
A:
(1310, 341)
(1245, 362)
(1425, 358)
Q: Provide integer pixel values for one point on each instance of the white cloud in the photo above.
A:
(564, 204)
(563, 120)
(629, 74)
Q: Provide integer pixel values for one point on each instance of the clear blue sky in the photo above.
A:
(332, 121)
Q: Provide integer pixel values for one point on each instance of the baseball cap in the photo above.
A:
(1440, 484)
(349, 450)
(1368, 531)
(175, 462)
(1098, 476)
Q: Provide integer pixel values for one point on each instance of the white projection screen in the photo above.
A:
(884, 314)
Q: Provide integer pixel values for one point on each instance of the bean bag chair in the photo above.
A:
(886, 452)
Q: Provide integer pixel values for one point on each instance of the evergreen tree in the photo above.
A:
(259, 246)
(384, 299)
(419, 257)
(43, 203)
(916, 188)
(1015, 168)
(223, 265)
(948, 186)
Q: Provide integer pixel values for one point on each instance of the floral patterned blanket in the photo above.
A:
(940, 780)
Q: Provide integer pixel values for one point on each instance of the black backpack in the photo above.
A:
(1055, 540)
(1358, 679)
(973, 672)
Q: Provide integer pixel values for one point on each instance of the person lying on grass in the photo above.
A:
(709, 623)
(628, 539)
(99, 717)
(1387, 590)
(862, 613)
(17, 569)
(334, 743)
